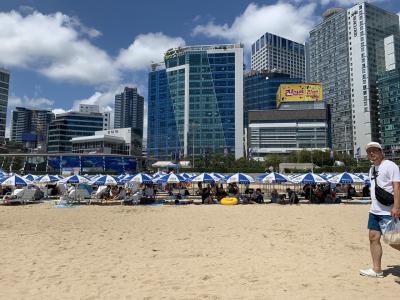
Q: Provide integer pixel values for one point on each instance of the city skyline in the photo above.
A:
(82, 57)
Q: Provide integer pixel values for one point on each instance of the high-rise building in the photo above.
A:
(272, 52)
(94, 108)
(129, 110)
(260, 89)
(69, 125)
(368, 25)
(388, 84)
(329, 64)
(196, 102)
(4, 88)
(30, 126)
(346, 55)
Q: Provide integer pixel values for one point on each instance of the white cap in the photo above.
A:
(373, 145)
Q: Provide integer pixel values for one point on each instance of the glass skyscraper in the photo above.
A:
(196, 102)
(260, 88)
(272, 52)
(4, 88)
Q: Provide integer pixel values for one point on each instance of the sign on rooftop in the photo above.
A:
(302, 92)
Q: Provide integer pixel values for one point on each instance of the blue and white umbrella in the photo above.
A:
(346, 178)
(141, 178)
(14, 180)
(273, 178)
(47, 179)
(30, 177)
(218, 175)
(159, 173)
(170, 178)
(106, 180)
(187, 175)
(309, 178)
(75, 179)
(364, 177)
(206, 178)
(240, 178)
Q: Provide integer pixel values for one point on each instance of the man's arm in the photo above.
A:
(396, 205)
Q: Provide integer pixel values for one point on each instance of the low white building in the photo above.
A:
(125, 141)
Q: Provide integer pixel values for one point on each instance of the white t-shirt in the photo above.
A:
(387, 173)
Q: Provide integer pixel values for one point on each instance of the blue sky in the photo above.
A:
(62, 53)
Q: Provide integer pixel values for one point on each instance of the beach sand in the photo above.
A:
(190, 252)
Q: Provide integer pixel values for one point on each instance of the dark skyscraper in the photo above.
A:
(129, 110)
(4, 87)
(30, 125)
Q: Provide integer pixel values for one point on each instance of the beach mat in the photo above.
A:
(65, 206)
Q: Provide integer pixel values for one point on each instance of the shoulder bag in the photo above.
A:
(383, 196)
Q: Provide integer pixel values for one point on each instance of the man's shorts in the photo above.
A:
(378, 222)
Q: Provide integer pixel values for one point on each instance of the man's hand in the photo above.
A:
(395, 212)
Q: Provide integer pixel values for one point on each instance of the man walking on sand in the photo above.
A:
(385, 174)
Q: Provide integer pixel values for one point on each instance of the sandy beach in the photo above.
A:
(190, 252)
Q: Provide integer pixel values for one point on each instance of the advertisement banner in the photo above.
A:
(302, 92)
(92, 164)
(130, 165)
(53, 164)
(113, 165)
(70, 165)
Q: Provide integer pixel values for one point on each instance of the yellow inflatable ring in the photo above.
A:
(229, 201)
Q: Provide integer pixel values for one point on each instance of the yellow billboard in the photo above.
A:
(299, 93)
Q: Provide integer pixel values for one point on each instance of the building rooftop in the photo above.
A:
(98, 138)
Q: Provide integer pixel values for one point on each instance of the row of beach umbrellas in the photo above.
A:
(240, 178)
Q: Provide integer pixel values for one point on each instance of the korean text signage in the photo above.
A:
(299, 93)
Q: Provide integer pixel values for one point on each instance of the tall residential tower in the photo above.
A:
(345, 52)
(129, 110)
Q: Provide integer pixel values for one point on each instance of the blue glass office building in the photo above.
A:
(196, 102)
(260, 88)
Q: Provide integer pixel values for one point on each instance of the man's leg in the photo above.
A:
(376, 249)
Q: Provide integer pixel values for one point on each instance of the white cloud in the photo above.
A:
(33, 103)
(57, 111)
(145, 49)
(256, 20)
(54, 45)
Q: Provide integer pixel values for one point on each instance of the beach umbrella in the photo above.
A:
(141, 178)
(106, 180)
(47, 179)
(346, 178)
(75, 179)
(240, 178)
(159, 173)
(205, 177)
(29, 177)
(273, 178)
(218, 175)
(364, 177)
(309, 178)
(170, 178)
(14, 180)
